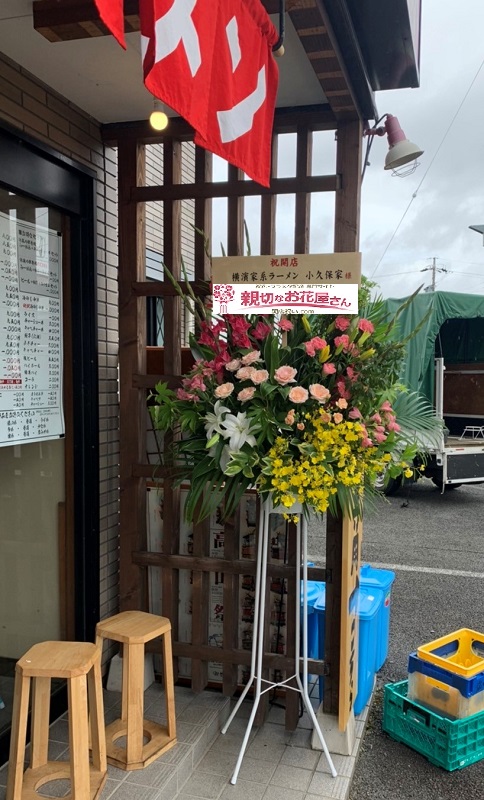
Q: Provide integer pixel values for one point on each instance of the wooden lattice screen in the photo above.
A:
(134, 382)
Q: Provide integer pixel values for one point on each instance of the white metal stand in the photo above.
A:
(258, 635)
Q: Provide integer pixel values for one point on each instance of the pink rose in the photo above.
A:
(289, 418)
(249, 358)
(366, 326)
(342, 323)
(233, 365)
(325, 417)
(319, 392)
(224, 390)
(259, 376)
(329, 368)
(246, 394)
(355, 413)
(284, 375)
(285, 324)
(342, 402)
(244, 373)
(300, 426)
(298, 394)
(337, 418)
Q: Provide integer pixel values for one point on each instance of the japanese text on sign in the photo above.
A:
(30, 333)
(285, 299)
(334, 268)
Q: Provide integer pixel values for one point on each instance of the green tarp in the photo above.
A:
(454, 330)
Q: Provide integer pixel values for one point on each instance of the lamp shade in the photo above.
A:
(401, 150)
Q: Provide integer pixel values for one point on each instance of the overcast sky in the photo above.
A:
(449, 183)
(407, 222)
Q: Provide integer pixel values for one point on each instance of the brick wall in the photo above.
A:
(45, 115)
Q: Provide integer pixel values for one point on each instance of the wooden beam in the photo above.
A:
(77, 19)
(348, 196)
(235, 188)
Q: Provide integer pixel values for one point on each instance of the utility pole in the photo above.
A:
(434, 268)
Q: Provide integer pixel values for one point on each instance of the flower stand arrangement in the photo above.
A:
(308, 410)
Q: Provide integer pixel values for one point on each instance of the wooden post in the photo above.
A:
(346, 240)
(132, 360)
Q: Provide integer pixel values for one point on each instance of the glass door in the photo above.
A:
(35, 447)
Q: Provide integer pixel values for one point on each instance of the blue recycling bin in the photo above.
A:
(380, 579)
(314, 590)
(369, 602)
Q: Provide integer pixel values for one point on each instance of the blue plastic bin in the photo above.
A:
(369, 604)
(380, 579)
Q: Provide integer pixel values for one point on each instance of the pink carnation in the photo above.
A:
(284, 375)
(285, 324)
(366, 326)
(342, 323)
(183, 395)
(366, 442)
(343, 340)
(386, 406)
(298, 394)
(376, 417)
(379, 436)
(314, 344)
(393, 426)
(329, 368)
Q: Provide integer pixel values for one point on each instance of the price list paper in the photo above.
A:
(30, 333)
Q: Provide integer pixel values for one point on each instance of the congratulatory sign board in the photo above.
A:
(289, 284)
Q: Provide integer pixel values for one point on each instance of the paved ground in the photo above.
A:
(435, 544)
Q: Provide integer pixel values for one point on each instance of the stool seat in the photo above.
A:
(145, 740)
(79, 664)
(133, 627)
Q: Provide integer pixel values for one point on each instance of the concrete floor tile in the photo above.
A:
(280, 793)
(218, 763)
(256, 771)
(188, 733)
(197, 715)
(204, 784)
(3, 792)
(274, 733)
(155, 774)
(266, 750)
(323, 784)
(292, 778)
(301, 737)
(243, 790)
(176, 755)
(128, 792)
(300, 757)
(344, 765)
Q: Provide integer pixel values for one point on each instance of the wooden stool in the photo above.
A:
(133, 629)
(78, 663)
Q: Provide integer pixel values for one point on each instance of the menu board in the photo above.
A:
(30, 333)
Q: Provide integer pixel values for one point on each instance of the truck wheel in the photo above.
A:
(438, 483)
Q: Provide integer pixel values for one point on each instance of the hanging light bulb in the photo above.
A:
(158, 118)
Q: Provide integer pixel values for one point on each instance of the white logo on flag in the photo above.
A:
(232, 33)
(177, 26)
(238, 120)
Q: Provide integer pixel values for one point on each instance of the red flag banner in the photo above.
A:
(211, 61)
(243, 89)
(112, 14)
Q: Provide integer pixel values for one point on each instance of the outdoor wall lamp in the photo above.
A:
(401, 152)
(158, 118)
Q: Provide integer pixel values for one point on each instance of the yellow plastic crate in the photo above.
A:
(461, 652)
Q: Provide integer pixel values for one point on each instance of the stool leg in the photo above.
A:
(18, 736)
(40, 722)
(98, 737)
(79, 738)
(169, 685)
(133, 699)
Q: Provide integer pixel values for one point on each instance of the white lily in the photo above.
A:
(239, 430)
(215, 420)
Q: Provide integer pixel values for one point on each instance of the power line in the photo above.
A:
(414, 195)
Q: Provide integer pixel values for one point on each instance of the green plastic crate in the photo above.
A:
(451, 744)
